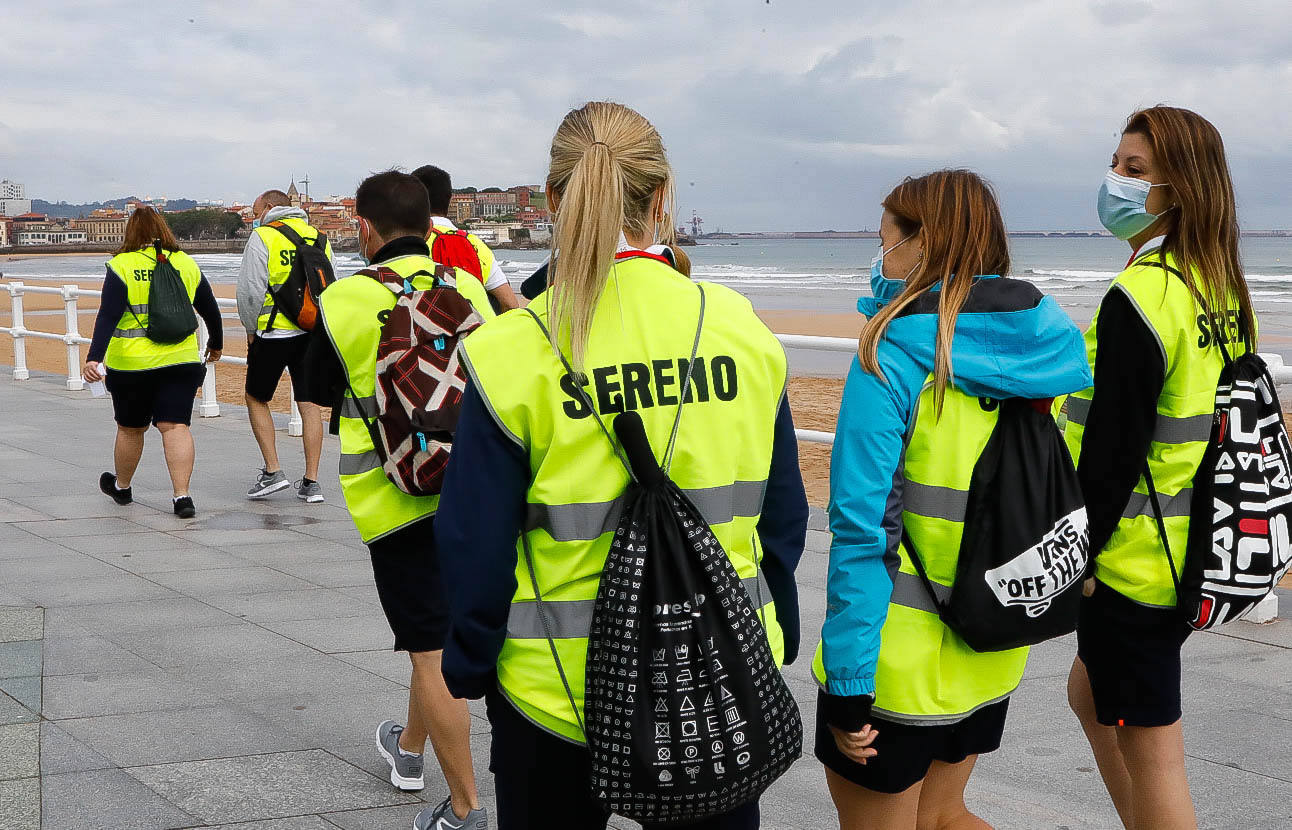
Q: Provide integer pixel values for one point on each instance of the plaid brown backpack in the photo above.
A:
(420, 378)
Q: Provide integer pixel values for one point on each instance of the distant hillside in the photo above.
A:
(67, 211)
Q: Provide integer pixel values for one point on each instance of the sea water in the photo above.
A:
(828, 275)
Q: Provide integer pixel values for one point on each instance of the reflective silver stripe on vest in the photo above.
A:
(909, 592)
(139, 309)
(1183, 430)
(1175, 507)
(936, 720)
(130, 332)
(267, 308)
(934, 502)
(353, 464)
(572, 619)
(1168, 430)
(1078, 410)
(583, 522)
(359, 407)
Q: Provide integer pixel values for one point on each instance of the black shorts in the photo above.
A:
(906, 752)
(267, 357)
(406, 567)
(1132, 655)
(538, 776)
(151, 396)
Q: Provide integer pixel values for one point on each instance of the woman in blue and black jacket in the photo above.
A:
(906, 706)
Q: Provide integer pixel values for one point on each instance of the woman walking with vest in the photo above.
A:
(900, 724)
(150, 382)
(1154, 349)
(528, 447)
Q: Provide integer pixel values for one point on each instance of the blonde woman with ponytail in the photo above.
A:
(619, 329)
(906, 706)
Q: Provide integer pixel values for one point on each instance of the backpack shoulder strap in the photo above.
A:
(286, 230)
(919, 568)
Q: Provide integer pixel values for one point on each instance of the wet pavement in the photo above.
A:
(229, 671)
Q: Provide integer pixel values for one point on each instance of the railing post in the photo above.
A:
(295, 426)
(19, 333)
(74, 381)
(210, 406)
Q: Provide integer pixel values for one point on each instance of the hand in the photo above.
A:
(91, 373)
(213, 355)
(856, 745)
(251, 337)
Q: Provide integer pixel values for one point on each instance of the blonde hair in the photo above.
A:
(956, 213)
(608, 162)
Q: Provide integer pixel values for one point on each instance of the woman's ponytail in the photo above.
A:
(585, 237)
(608, 172)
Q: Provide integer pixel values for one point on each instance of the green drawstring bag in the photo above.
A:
(171, 318)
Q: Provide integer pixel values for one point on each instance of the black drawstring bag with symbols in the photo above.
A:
(686, 714)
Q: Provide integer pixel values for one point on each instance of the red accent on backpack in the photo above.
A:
(420, 378)
(454, 249)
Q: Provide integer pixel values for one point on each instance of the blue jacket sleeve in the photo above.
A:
(480, 517)
(782, 528)
(865, 522)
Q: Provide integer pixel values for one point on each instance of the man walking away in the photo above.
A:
(275, 343)
(448, 243)
(394, 217)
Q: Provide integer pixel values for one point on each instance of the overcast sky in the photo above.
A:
(780, 115)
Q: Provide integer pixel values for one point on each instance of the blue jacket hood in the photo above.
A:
(1010, 341)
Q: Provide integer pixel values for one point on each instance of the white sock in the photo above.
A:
(406, 753)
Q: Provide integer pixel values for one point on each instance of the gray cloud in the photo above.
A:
(775, 115)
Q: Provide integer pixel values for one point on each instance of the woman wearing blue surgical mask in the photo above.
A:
(906, 706)
(1154, 347)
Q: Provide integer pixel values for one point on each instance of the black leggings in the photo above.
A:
(542, 781)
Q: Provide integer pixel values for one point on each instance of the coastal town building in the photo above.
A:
(495, 203)
(102, 225)
(5, 224)
(334, 218)
(49, 233)
(13, 199)
(462, 207)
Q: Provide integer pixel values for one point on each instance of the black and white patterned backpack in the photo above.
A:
(686, 714)
(1240, 544)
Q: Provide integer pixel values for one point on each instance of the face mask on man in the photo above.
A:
(877, 264)
(1121, 205)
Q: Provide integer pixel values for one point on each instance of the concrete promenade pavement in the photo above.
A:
(230, 670)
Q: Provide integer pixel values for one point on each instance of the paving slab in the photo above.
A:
(215, 644)
(60, 752)
(89, 654)
(267, 786)
(21, 624)
(246, 579)
(120, 587)
(21, 658)
(12, 711)
(19, 750)
(87, 695)
(25, 690)
(219, 731)
(108, 799)
(304, 604)
(294, 823)
(164, 613)
(339, 634)
(20, 804)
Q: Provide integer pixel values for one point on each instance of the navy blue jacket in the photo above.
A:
(482, 512)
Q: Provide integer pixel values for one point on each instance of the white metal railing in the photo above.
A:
(17, 329)
(210, 405)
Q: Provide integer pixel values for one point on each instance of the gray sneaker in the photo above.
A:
(267, 484)
(442, 818)
(405, 769)
(309, 491)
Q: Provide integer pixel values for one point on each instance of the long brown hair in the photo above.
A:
(956, 214)
(145, 227)
(1203, 226)
(608, 162)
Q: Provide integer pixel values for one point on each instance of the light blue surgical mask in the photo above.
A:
(1121, 205)
(255, 223)
(877, 264)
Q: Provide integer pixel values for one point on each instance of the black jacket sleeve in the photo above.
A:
(1129, 372)
(480, 517)
(205, 305)
(112, 304)
(782, 528)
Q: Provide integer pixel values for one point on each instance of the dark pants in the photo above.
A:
(541, 781)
